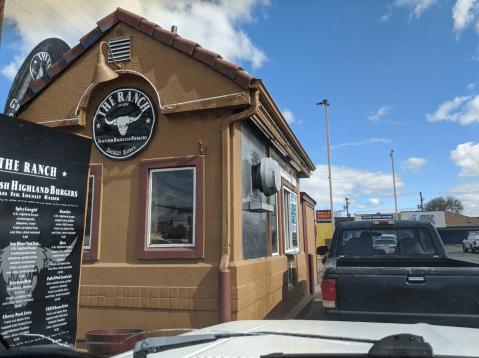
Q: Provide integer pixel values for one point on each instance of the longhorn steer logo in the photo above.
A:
(21, 265)
(132, 112)
(122, 122)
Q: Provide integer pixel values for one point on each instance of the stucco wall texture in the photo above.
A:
(119, 290)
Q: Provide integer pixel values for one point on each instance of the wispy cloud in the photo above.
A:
(215, 25)
(393, 122)
(464, 110)
(10, 70)
(466, 156)
(387, 16)
(464, 13)
(364, 142)
(470, 87)
(357, 184)
(414, 164)
(417, 7)
(381, 112)
(288, 115)
(468, 194)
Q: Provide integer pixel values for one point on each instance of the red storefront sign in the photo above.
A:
(323, 214)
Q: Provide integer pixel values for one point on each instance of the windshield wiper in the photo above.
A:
(396, 345)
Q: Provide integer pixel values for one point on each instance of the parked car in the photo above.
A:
(411, 282)
(290, 338)
(471, 243)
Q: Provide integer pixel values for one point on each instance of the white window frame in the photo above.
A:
(288, 234)
(277, 227)
(92, 189)
(150, 192)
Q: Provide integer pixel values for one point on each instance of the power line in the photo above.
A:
(71, 43)
(86, 11)
(76, 14)
(81, 33)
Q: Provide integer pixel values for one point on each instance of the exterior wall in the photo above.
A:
(437, 218)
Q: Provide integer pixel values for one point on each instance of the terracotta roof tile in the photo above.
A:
(163, 35)
(92, 37)
(74, 53)
(108, 22)
(227, 68)
(206, 56)
(188, 47)
(147, 27)
(28, 96)
(41, 83)
(56, 68)
(243, 79)
(128, 18)
(184, 45)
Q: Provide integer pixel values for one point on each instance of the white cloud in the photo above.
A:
(414, 164)
(468, 194)
(288, 115)
(417, 7)
(375, 202)
(381, 112)
(359, 185)
(10, 71)
(387, 16)
(466, 156)
(470, 87)
(463, 12)
(215, 25)
(369, 141)
(464, 110)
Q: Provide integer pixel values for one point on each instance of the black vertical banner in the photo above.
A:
(43, 187)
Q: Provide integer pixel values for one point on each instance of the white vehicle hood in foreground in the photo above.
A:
(444, 340)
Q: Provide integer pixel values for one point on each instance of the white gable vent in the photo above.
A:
(120, 48)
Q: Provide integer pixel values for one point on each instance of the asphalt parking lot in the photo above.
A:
(314, 309)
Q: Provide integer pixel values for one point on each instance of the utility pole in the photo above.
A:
(421, 206)
(326, 105)
(347, 207)
(2, 8)
(394, 181)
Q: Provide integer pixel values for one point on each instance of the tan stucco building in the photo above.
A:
(180, 231)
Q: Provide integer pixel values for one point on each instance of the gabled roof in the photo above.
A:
(190, 48)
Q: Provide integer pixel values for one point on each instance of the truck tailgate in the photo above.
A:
(421, 290)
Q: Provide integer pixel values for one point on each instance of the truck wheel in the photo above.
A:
(464, 248)
(473, 249)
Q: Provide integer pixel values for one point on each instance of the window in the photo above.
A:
(171, 210)
(380, 242)
(170, 218)
(290, 205)
(274, 225)
(93, 214)
(91, 190)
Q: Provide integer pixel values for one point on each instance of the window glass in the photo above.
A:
(290, 221)
(274, 225)
(380, 242)
(89, 214)
(172, 208)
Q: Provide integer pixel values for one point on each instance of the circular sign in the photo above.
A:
(39, 65)
(123, 123)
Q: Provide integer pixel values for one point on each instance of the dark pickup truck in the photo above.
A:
(397, 271)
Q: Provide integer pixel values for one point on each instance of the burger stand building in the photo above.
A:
(194, 214)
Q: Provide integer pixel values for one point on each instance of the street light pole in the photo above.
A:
(326, 105)
(394, 181)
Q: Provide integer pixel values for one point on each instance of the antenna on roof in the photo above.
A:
(174, 29)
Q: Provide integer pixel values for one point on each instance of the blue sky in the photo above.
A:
(398, 74)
